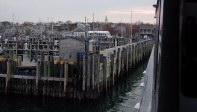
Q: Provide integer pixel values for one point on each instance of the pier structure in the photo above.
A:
(92, 74)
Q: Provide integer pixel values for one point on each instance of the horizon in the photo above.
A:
(73, 22)
(76, 11)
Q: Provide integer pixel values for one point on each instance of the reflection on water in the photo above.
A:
(122, 98)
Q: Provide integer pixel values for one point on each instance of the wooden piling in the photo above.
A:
(97, 74)
(105, 73)
(58, 79)
(127, 61)
(112, 69)
(65, 77)
(37, 77)
(84, 76)
(92, 76)
(88, 72)
(8, 76)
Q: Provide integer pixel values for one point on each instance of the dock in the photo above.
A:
(93, 74)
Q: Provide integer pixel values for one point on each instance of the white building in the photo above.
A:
(99, 33)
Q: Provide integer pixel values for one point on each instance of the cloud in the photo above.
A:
(144, 14)
(139, 10)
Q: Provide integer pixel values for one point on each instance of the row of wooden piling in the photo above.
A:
(93, 74)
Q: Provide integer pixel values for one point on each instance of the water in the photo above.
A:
(122, 98)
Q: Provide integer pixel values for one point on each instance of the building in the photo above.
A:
(146, 30)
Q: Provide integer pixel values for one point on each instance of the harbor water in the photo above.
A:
(122, 97)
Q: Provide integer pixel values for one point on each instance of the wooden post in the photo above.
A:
(112, 68)
(61, 76)
(45, 68)
(127, 60)
(118, 63)
(88, 76)
(65, 77)
(84, 74)
(93, 69)
(92, 75)
(8, 76)
(37, 77)
(137, 53)
(129, 56)
(105, 73)
(49, 69)
(97, 74)
(61, 69)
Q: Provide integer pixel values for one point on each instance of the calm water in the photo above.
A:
(122, 98)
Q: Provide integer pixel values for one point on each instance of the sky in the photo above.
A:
(76, 10)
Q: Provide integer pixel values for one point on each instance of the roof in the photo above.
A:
(98, 31)
(79, 29)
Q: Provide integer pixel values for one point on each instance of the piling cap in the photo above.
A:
(55, 62)
(15, 59)
(61, 62)
(2, 59)
(71, 62)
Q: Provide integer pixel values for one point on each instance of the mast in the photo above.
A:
(121, 28)
(131, 23)
(85, 28)
(93, 23)
(13, 19)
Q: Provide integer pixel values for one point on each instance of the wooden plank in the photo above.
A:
(23, 77)
(52, 78)
(2, 75)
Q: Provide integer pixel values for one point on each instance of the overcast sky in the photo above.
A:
(77, 10)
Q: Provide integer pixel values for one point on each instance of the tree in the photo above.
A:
(108, 27)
